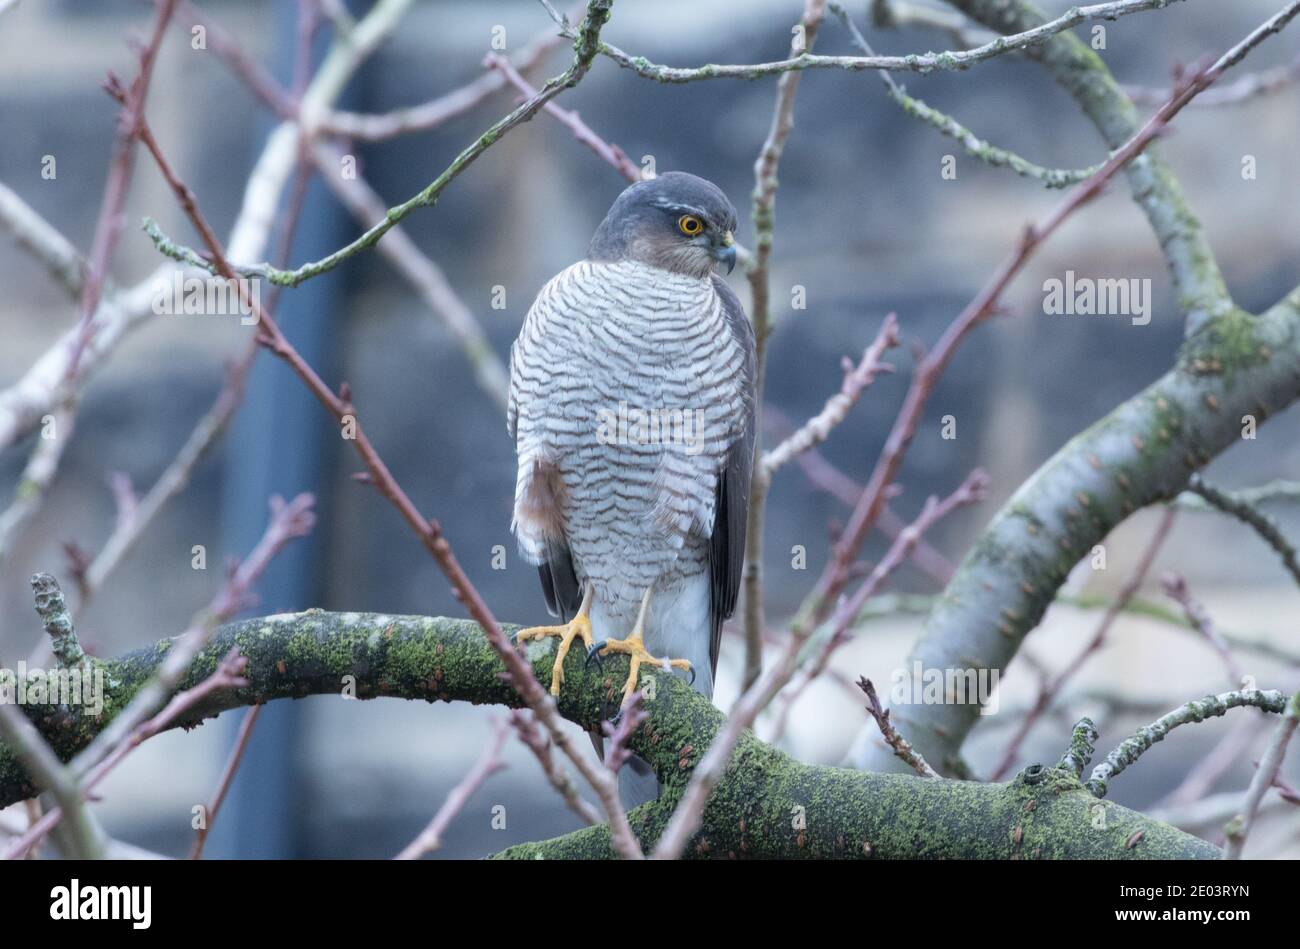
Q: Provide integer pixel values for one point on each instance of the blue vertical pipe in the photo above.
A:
(282, 443)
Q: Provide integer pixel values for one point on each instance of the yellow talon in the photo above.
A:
(577, 628)
(634, 648)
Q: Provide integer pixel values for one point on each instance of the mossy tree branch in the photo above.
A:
(767, 805)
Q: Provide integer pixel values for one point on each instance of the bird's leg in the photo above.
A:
(634, 648)
(578, 627)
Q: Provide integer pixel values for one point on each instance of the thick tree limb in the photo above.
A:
(757, 810)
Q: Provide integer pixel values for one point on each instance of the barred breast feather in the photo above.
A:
(630, 395)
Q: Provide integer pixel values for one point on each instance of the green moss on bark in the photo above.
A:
(767, 804)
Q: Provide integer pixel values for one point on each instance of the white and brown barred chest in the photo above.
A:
(628, 380)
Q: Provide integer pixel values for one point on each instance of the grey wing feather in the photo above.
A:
(727, 543)
(560, 582)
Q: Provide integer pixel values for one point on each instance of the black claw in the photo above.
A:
(691, 670)
(593, 653)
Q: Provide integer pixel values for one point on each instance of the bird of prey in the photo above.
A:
(632, 409)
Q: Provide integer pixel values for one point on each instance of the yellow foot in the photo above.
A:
(577, 628)
(635, 649)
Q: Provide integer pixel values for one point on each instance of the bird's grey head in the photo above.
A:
(676, 222)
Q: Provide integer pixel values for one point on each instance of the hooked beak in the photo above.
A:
(725, 252)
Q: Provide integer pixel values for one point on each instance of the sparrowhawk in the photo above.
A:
(632, 410)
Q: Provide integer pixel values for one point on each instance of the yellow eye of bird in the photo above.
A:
(690, 225)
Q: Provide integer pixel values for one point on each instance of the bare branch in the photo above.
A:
(87, 839)
(422, 273)
(1175, 587)
(609, 153)
(223, 784)
(1051, 688)
(38, 475)
(1248, 87)
(903, 547)
(108, 228)
(897, 14)
(525, 725)
(442, 109)
(130, 528)
(1248, 514)
(763, 214)
(1266, 775)
(901, 747)
(631, 715)
(488, 764)
(856, 378)
(230, 50)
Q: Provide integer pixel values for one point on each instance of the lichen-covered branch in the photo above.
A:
(766, 805)
(1189, 713)
(974, 146)
(52, 608)
(1032, 35)
(1081, 748)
